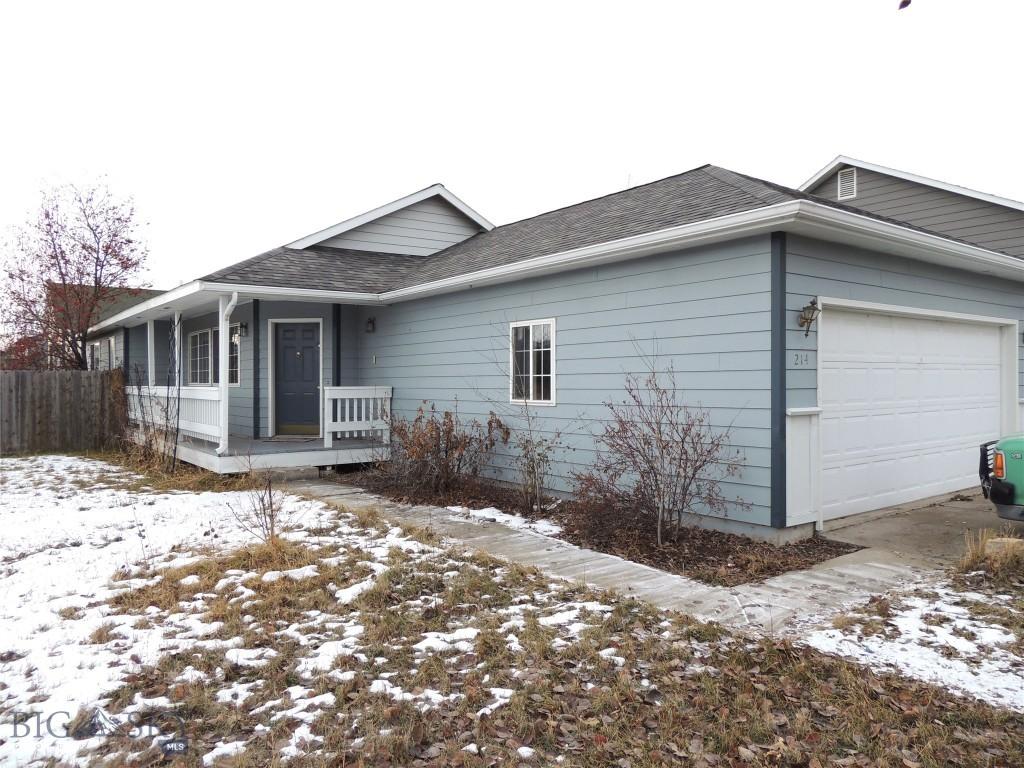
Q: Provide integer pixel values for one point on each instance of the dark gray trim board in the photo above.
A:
(256, 369)
(778, 379)
(124, 356)
(336, 341)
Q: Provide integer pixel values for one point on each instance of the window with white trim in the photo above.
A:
(532, 369)
(199, 357)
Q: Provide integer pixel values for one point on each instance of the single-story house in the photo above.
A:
(860, 335)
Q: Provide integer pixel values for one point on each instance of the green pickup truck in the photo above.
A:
(1002, 475)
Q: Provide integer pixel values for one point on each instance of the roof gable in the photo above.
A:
(987, 221)
(842, 161)
(419, 224)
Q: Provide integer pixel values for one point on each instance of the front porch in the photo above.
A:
(355, 429)
(245, 453)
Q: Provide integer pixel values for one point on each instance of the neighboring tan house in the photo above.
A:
(881, 399)
(103, 353)
(35, 352)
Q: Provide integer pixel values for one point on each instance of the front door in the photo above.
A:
(297, 378)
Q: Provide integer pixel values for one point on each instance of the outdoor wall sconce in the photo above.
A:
(808, 315)
(371, 324)
(243, 329)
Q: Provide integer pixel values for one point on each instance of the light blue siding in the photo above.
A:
(817, 268)
(705, 311)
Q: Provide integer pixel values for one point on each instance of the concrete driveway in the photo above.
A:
(927, 533)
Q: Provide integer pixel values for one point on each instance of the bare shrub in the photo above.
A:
(260, 513)
(658, 455)
(531, 460)
(438, 452)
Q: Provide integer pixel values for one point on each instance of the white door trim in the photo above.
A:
(272, 425)
(1009, 356)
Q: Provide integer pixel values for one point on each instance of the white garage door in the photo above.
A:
(905, 403)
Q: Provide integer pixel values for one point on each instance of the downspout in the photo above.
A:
(223, 344)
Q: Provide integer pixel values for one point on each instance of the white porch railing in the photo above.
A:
(357, 412)
(192, 411)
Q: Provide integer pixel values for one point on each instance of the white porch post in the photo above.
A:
(225, 306)
(177, 350)
(150, 354)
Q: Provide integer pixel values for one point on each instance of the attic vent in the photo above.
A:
(847, 183)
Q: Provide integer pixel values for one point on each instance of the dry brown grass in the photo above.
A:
(185, 477)
(103, 634)
(1002, 567)
(688, 693)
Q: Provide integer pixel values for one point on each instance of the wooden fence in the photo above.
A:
(61, 410)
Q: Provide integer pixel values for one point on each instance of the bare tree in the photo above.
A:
(659, 455)
(76, 257)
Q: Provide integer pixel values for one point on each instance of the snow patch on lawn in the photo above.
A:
(932, 638)
(69, 524)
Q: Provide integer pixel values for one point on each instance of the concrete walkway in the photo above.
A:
(766, 607)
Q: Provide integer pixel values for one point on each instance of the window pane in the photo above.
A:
(544, 388)
(233, 344)
(199, 358)
(520, 362)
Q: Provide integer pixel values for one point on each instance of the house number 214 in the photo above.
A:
(801, 359)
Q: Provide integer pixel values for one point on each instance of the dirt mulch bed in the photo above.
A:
(474, 495)
(710, 556)
(714, 557)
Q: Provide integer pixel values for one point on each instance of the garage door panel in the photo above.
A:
(905, 402)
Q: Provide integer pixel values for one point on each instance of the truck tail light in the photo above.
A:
(999, 465)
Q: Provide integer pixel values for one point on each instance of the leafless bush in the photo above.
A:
(152, 440)
(658, 455)
(438, 452)
(531, 460)
(261, 514)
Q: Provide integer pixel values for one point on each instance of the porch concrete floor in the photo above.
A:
(928, 533)
(766, 607)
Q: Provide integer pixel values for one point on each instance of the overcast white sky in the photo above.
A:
(241, 126)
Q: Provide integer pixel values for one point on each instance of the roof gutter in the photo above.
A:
(800, 216)
(198, 286)
(686, 236)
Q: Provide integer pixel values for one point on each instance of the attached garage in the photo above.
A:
(905, 400)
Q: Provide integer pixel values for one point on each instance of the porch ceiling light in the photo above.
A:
(808, 315)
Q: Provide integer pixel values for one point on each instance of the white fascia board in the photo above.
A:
(434, 190)
(202, 289)
(799, 216)
(297, 294)
(842, 160)
(168, 297)
(685, 236)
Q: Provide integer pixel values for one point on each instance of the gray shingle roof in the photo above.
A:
(320, 268)
(697, 195)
